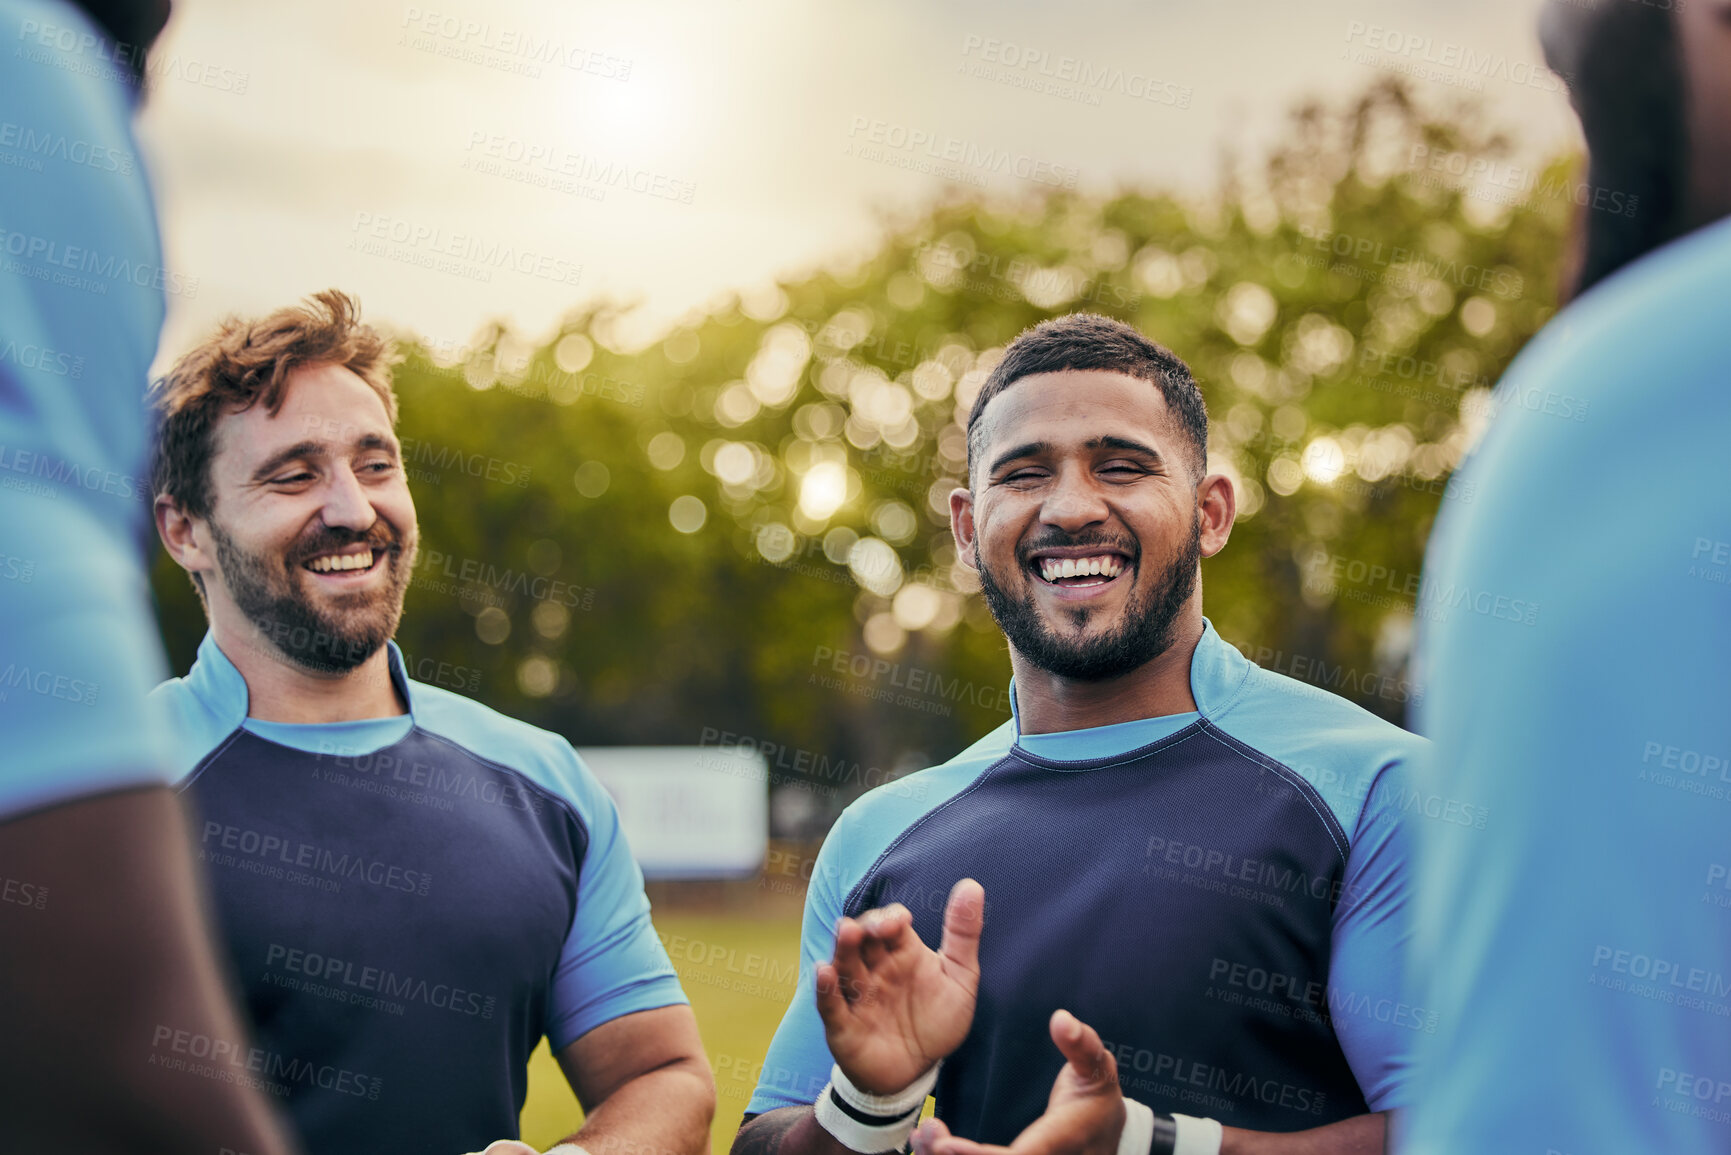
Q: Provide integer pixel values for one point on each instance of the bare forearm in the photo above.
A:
(786, 1131)
(1360, 1135)
(100, 981)
(666, 1111)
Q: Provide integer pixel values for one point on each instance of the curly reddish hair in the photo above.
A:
(245, 363)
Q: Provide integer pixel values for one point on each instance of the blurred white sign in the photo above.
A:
(689, 811)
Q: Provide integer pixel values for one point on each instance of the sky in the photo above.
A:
(458, 163)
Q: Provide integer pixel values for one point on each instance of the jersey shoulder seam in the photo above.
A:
(204, 763)
(1305, 790)
(567, 804)
(903, 834)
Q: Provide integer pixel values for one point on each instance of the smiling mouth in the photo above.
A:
(356, 561)
(1074, 572)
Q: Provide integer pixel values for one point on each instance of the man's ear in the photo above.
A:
(962, 525)
(185, 537)
(1217, 506)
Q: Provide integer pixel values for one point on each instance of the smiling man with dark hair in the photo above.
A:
(1077, 343)
(1196, 868)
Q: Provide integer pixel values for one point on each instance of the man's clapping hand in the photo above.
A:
(891, 1006)
(1084, 1115)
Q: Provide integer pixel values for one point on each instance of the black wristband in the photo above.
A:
(1165, 1135)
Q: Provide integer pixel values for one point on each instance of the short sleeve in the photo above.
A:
(612, 963)
(798, 1063)
(1374, 1016)
(82, 300)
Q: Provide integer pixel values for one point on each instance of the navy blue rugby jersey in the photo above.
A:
(409, 905)
(1221, 894)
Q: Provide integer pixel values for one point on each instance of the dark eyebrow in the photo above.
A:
(281, 458)
(316, 449)
(1127, 446)
(1035, 448)
(377, 441)
(1031, 449)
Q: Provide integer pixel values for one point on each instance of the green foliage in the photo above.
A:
(1345, 312)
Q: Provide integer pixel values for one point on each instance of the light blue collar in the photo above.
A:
(220, 687)
(1217, 677)
(348, 739)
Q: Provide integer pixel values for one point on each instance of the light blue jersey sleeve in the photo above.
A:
(1363, 768)
(81, 305)
(1577, 948)
(1370, 998)
(613, 963)
(798, 1063)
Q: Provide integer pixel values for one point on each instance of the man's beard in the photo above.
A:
(271, 596)
(1149, 620)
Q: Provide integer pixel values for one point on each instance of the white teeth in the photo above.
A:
(331, 563)
(1106, 566)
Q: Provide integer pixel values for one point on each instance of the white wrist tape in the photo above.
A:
(566, 1149)
(1138, 1134)
(1197, 1136)
(867, 1123)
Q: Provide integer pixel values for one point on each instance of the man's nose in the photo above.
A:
(1073, 502)
(346, 503)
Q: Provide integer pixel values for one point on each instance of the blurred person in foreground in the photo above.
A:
(413, 888)
(1578, 949)
(104, 943)
(1196, 868)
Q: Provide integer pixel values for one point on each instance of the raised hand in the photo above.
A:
(1084, 1114)
(891, 1006)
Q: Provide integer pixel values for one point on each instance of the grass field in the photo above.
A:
(739, 974)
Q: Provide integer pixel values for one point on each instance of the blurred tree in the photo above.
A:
(740, 532)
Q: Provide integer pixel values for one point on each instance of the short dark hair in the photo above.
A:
(1627, 80)
(1090, 341)
(132, 26)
